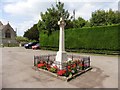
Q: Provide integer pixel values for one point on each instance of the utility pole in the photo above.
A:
(16, 31)
(74, 14)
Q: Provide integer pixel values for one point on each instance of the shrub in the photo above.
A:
(53, 69)
(95, 38)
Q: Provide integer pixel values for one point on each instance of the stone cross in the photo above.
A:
(61, 54)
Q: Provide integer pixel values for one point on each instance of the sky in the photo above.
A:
(23, 14)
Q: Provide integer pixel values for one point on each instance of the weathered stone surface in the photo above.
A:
(61, 54)
(3, 30)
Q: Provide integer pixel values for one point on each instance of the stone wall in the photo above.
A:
(5, 41)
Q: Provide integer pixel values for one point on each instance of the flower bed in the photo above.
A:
(74, 66)
(70, 67)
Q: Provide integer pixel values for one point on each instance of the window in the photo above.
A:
(7, 34)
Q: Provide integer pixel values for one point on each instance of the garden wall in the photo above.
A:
(95, 38)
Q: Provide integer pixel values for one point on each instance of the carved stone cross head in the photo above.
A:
(61, 22)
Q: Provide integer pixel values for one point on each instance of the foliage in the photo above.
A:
(102, 17)
(87, 24)
(53, 69)
(113, 17)
(32, 33)
(102, 38)
(71, 67)
(79, 23)
(95, 38)
(51, 40)
(51, 17)
(21, 39)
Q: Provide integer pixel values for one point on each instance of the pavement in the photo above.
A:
(17, 72)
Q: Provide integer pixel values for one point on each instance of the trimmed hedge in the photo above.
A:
(95, 38)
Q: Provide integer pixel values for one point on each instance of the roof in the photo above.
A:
(1, 23)
(3, 26)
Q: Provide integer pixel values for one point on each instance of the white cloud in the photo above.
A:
(24, 13)
(25, 25)
(4, 22)
(22, 27)
(9, 1)
(29, 7)
(84, 9)
(89, 0)
(28, 11)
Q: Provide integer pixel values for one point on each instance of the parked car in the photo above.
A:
(29, 45)
(37, 46)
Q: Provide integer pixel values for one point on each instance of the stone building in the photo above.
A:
(7, 34)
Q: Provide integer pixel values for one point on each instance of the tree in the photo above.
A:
(21, 39)
(32, 33)
(98, 18)
(111, 17)
(51, 17)
(79, 23)
(117, 17)
(102, 17)
(87, 24)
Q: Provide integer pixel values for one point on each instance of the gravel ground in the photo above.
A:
(17, 71)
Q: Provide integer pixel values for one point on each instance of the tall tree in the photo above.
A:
(110, 17)
(98, 18)
(79, 23)
(51, 17)
(117, 17)
(102, 17)
(32, 33)
(21, 39)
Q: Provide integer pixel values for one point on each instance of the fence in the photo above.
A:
(75, 60)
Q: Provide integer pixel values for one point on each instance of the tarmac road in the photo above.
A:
(17, 72)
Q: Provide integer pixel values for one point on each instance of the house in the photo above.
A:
(7, 34)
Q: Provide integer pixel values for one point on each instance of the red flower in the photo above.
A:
(74, 65)
(41, 65)
(47, 65)
(68, 67)
(69, 70)
(61, 72)
(55, 67)
(48, 69)
(81, 65)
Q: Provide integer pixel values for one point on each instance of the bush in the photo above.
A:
(52, 69)
(95, 38)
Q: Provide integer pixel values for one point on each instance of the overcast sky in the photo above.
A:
(22, 14)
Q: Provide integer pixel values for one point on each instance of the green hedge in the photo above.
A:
(95, 38)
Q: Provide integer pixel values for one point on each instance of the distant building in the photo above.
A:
(7, 34)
